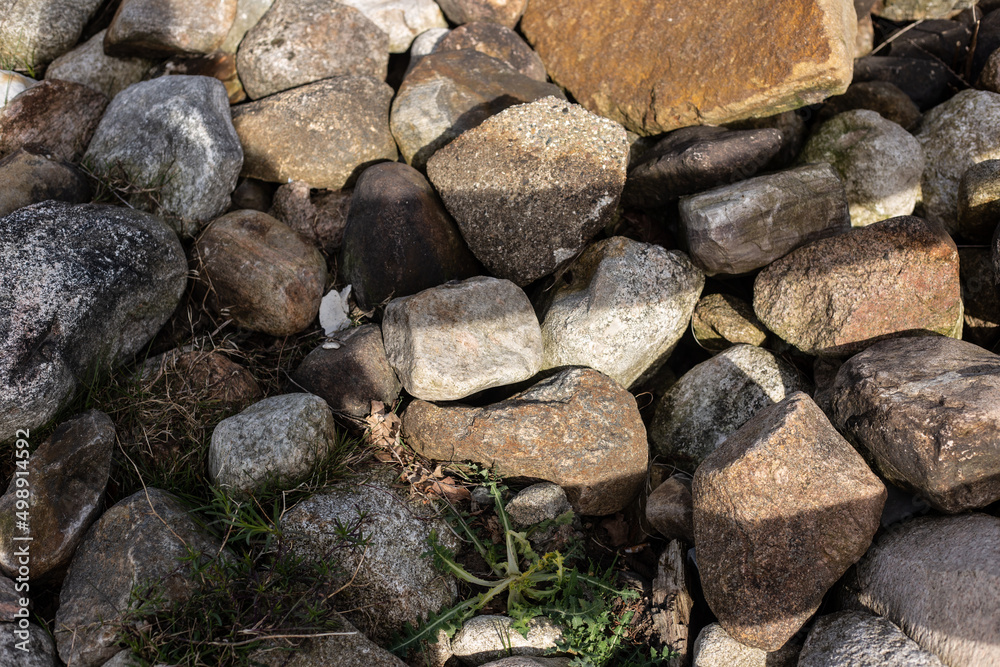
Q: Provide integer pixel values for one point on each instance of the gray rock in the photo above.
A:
(525, 661)
(57, 118)
(720, 321)
(87, 64)
(623, 308)
(979, 201)
(302, 41)
(86, 286)
(505, 12)
(530, 186)
(188, 150)
(352, 649)
(31, 41)
(912, 10)
(715, 648)
(26, 645)
(858, 639)
(29, 178)
(424, 45)
(483, 639)
(715, 398)
(537, 503)
(881, 97)
(669, 509)
(737, 228)
(497, 42)
(152, 28)
(451, 341)
(124, 659)
(402, 20)
(248, 14)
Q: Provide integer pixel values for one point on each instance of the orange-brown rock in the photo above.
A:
(54, 117)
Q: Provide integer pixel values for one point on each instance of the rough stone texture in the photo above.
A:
(33, 32)
(716, 397)
(879, 162)
(505, 12)
(488, 637)
(852, 638)
(716, 71)
(715, 648)
(936, 578)
(248, 14)
(302, 41)
(912, 10)
(737, 228)
(41, 651)
(87, 64)
(350, 377)
(402, 20)
(453, 340)
(865, 41)
(268, 277)
(321, 133)
(881, 97)
(319, 217)
(54, 117)
(926, 82)
(399, 239)
(187, 150)
(85, 286)
(10, 600)
(536, 503)
(352, 650)
(989, 78)
(217, 65)
(29, 178)
(669, 509)
(530, 186)
(142, 539)
(624, 307)
(450, 92)
(961, 132)
(720, 321)
(497, 42)
(578, 429)
(13, 84)
(208, 376)
(794, 132)
(979, 296)
(925, 410)
(152, 28)
(526, 661)
(979, 201)
(781, 509)
(837, 296)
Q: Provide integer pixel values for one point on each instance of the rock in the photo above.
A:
(537, 503)
(781, 509)
(498, 42)
(54, 117)
(505, 12)
(879, 162)
(248, 14)
(396, 581)
(10, 600)
(697, 158)
(794, 132)
(217, 65)
(578, 429)
(987, 36)
(936, 578)
(956, 135)
(912, 10)
(87, 64)
(146, 537)
(320, 218)
(488, 637)
(188, 151)
(448, 93)
(850, 638)
(716, 397)
(865, 41)
(266, 275)
(453, 340)
(320, 133)
(934, 39)
(86, 287)
(530, 186)
(302, 41)
(715, 648)
(737, 228)
(350, 650)
(989, 78)
(837, 296)
(720, 321)
(33, 648)
(824, 374)
(922, 407)
(881, 97)
(979, 201)
(620, 309)
(525, 661)
(402, 20)
(399, 239)
(153, 28)
(258, 195)
(806, 58)
(350, 377)
(34, 32)
(979, 297)
(13, 84)
(926, 82)
(669, 509)
(30, 178)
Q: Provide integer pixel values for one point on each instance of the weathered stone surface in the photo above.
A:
(54, 117)
(623, 309)
(526, 661)
(350, 650)
(13, 84)
(216, 65)
(39, 651)
(141, 540)
(794, 132)
(248, 14)
(936, 578)
(10, 600)
(87, 64)
(302, 41)
(152, 28)
(450, 92)
(30, 178)
(989, 78)
(979, 201)
(980, 297)
(578, 429)
(34, 32)
(851, 638)
(720, 321)
(881, 97)
(505, 12)
(715, 398)
(536, 503)
(320, 133)
(268, 277)
(923, 408)
(497, 42)
(926, 82)
(424, 45)
(399, 238)
(451, 341)
(912, 10)
(319, 217)
(715, 648)
(402, 20)
(530, 186)
(85, 286)
(488, 637)
(669, 509)
(865, 40)
(837, 296)
(716, 71)
(781, 509)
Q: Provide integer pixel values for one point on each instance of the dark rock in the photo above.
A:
(30, 178)
(349, 649)
(979, 297)
(881, 97)
(54, 117)
(926, 82)
(319, 217)
(937, 39)
(37, 649)
(497, 42)
(255, 195)
(979, 201)
(505, 12)
(989, 77)
(153, 28)
(669, 509)
(10, 600)
(987, 40)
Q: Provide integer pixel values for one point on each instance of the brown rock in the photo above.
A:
(268, 277)
(979, 297)
(781, 509)
(55, 117)
(716, 70)
(319, 217)
(578, 429)
(152, 28)
(30, 178)
(837, 296)
(669, 509)
(505, 12)
(497, 42)
(723, 320)
(881, 97)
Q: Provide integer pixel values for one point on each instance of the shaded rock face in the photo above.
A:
(716, 71)
(669, 509)
(837, 296)
(26, 39)
(781, 509)
(925, 411)
(979, 297)
(29, 178)
(578, 429)
(979, 201)
(352, 649)
(152, 28)
(850, 638)
(87, 64)
(320, 218)
(926, 82)
(881, 97)
(87, 286)
(720, 321)
(54, 117)
(936, 578)
(497, 42)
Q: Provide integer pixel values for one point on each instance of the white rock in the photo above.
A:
(489, 637)
(248, 13)
(402, 20)
(851, 638)
(13, 84)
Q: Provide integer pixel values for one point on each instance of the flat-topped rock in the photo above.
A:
(497, 42)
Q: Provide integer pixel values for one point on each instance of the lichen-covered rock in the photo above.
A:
(402, 20)
(87, 64)
(55, 117)
(851, 638)
(488, 637)
(152, 28)
(720, 321)
(30, 178)
(34, 32)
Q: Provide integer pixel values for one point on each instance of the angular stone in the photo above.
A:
(87, 64)
(402, 20)
(578, 429)
(302, 41)
(715, 398)
(620, 309)
(881, 97)
(912, 10)
(720, 321)
(980, 297)
(450, 92)
(615, 64)
(153, 28)
(715, 648)
(979, 201)
(851, 638)
(489, 637)
(352, 649)
(497, 42)
(85, 286)
(30, 178)
(451, 341)
(54, 117)
(320, 133)
(505, 12)
(39, 651)
(34, 32)
(837, 296)
(669, 509)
